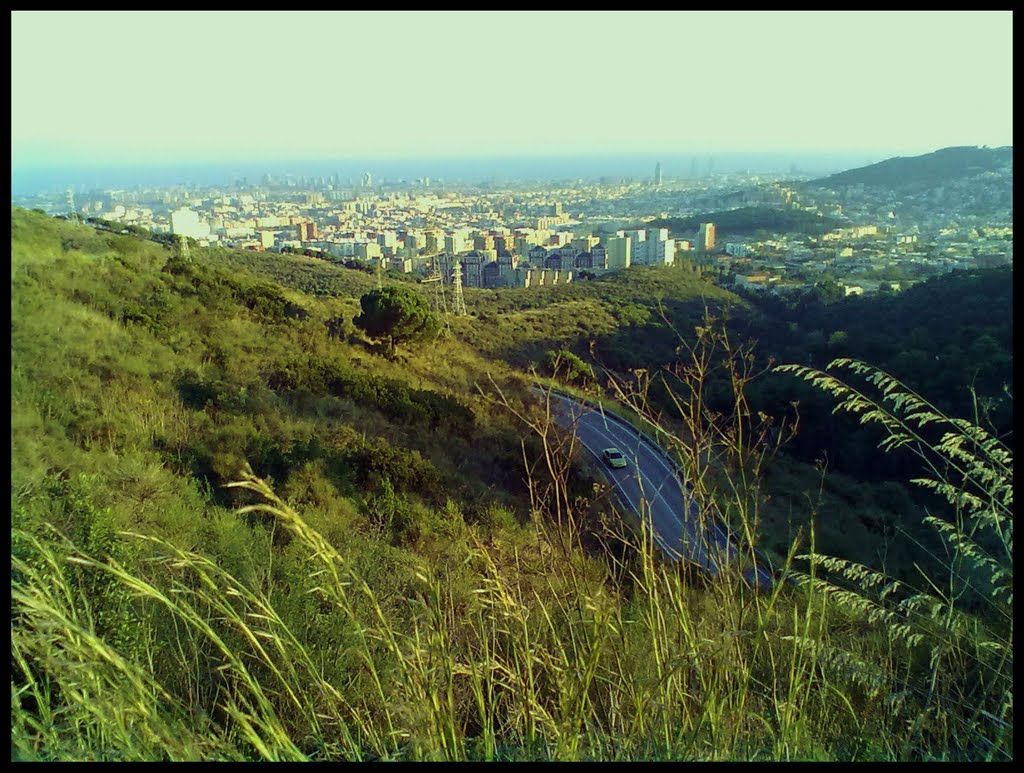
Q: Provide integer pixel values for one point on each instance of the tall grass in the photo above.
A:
(522, 648)
(954, 631)
(540, 659)
(520, 644)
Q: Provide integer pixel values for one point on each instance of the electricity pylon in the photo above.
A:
(440, 304)
(183, 251)
(459, 305)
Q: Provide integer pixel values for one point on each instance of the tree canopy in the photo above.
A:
(396, 315)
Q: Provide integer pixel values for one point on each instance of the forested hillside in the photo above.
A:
(749, 221)
(942, 167)
(243, 529)
(950, 339)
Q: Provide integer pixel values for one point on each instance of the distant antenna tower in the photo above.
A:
(183, 251)
(459, 305)
(72, 210)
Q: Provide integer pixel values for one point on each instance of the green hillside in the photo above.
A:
(242, 531)
(941, 167)
(746, 221)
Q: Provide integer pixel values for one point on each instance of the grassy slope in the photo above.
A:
(642, 312)
(136, 393)
(95, 394)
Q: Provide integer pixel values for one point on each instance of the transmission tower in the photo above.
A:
(72, 210)
(459, 305)
(434, 275)
(183, 251)
(438, 302)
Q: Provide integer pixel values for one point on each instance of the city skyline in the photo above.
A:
(123, 88)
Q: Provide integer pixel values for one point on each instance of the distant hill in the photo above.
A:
(938, 168)
(745, 221)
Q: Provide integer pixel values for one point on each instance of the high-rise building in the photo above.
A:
(706, 237)
(472, 269)
(433, 240)
(537, 254)
(657, 173)
(368, 251)
(307, 231)
(661, 252)
(455, 243)
(638, 242)
(619, 253)
(188, 223)
(585, 243)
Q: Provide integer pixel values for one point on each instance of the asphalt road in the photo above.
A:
(651, 488)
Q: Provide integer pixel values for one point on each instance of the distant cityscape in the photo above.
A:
(524, 233)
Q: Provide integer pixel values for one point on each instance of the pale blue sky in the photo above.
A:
(202, 86)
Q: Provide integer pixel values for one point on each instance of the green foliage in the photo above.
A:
(394, 398)
(926, 171)
(950, 337)
(406, 613)
(270, 303)
(339, 327)
(569, 368)
(745, 221)
(396, 314)
(965, 619)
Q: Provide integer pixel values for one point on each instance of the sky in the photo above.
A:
(194, 87)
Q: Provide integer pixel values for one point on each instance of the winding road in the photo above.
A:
(651, 487)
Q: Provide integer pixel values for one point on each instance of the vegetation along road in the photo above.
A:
(651, 487)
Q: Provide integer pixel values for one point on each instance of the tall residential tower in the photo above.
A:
(706, 237)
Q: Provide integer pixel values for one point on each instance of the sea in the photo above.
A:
(479, 170)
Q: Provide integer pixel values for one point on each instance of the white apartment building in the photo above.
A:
(619, 252)
(661, 252)
(186, 222)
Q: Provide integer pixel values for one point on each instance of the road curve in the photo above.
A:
(650, 486)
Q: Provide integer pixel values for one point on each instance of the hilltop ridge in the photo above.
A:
(940, 167)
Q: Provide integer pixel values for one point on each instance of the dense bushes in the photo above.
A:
(270, 303)
(395, 399)
(568, 367)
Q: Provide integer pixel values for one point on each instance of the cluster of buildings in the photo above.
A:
(525, 234)
(432, 235)
(520, 261)
(863, 259)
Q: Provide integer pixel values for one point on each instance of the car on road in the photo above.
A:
(613, 457)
